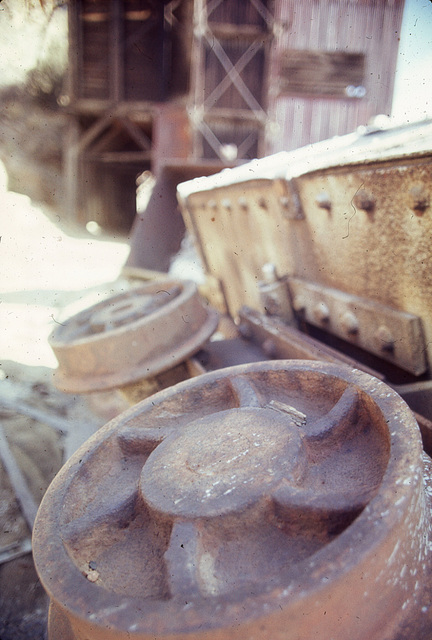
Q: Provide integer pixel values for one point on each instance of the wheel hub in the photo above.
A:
(222, 463)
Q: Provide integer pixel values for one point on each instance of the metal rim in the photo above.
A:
(141, 348)
(367, 547)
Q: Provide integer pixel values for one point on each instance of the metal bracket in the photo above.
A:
(278, 340)
(393, 335)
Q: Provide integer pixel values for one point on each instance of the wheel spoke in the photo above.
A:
(181, 559)
(136, 440)
(117, 508)
(325, 512)
(245, 392)
(339, 423)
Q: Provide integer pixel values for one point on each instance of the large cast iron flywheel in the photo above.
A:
(133, 335)
(282, 500)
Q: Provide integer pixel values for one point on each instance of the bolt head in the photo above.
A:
(350, 322)
(364, 200)
(323, 200)
(322, 312)
(245, 330)
(419, 199)
(269, 348)
(299, 304)
(385, 338)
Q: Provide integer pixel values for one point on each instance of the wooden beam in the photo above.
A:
(136, 133)
(94, 130)
(117, 57)
(17, 479)
(103, 143)
(120, 157)
(72, 171)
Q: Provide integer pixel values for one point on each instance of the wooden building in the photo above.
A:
(194, 85)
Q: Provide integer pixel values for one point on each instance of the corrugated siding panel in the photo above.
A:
(302, 121)
(350, 26)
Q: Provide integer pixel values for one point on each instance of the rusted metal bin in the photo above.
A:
(279, 500)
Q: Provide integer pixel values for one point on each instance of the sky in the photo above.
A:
(412, 98)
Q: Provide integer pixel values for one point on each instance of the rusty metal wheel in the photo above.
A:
(284, 500)
(134, 335)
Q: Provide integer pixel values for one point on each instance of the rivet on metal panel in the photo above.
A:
(245, 330)
(263, 203)
(350, 322)
(242, 202)
(385, 338)
(419, 199)
(323, 200)
(269, 273)
(226, 203)
(299, 304)
(322, 312)
(269, 348)
(212, 204)
(364, 200)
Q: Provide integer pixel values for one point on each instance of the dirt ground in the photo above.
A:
(45, 276)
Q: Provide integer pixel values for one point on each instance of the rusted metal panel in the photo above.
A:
(227, 224)
(383, 251)
(275, 295)
(172, 136)
(362, 226)
(257, 501)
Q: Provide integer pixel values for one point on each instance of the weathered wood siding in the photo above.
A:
(246, 78)
(117, 51)
(364, 28)
(229, 69)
